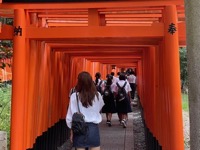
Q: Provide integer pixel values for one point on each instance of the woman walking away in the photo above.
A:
(98, 82)
(122, 93)
(109, 100)
(90, 103)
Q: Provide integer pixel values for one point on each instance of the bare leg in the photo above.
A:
(124, 117)
(120, 116)
(80, 148)
(109, 116)
(108, 122)
(95, 148)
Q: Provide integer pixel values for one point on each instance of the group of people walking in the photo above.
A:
(111, 88)
(109, 96)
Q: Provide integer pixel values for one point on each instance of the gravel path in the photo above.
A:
(186, 128)
(139, 133)
(138, 130)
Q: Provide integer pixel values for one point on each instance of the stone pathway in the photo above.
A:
(116, 137)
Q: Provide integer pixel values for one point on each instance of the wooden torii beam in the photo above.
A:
(116, 4)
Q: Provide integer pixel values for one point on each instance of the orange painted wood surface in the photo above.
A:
(67, 38)
(18, 107)
(6, 73)
(173, 90)
(118, 4)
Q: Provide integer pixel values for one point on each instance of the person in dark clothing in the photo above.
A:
(123, 105)
(109, 100)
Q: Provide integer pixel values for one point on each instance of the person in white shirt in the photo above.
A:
(132, 81)
(115, 79)
(90, 103)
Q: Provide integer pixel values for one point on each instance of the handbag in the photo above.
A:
(79, 126)
(67, 145)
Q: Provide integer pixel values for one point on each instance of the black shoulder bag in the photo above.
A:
(79, 126)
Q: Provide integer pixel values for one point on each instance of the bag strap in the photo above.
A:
(77, 103)
(100, 83)
(122, 86)
(118, 85)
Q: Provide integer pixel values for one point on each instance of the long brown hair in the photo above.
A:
(86, 88)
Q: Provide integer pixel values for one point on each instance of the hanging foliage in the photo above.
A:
(6, 54)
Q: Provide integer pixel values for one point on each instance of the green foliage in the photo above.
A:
(5, 109)
(6, 52)
(8, 21)
(185, 106)
(183, 68)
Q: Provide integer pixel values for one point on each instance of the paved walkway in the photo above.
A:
(116, 137)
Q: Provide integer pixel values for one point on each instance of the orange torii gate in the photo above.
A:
(53, 42)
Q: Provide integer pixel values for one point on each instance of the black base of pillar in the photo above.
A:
(53, 137)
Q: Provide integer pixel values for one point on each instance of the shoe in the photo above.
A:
(124, 123)
(109, 123)
(121, 124)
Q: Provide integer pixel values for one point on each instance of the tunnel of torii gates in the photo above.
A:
(53, 42)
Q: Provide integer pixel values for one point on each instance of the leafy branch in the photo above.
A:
(4, 106)
(6, 53)
(183, 68)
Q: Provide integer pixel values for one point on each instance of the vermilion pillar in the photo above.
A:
(139, 79)
(18, 86)
(157, 105)
(171, 69)
(152, 86)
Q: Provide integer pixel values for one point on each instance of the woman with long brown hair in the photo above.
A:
(90, 103)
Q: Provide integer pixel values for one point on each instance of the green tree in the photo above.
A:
(6, 53)
(6, 50)
(8, 21)
(183, 68)
(5, 109)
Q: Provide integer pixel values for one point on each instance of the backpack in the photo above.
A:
(107, 93)
(121, 94)
(79, 126)
(99, 87)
